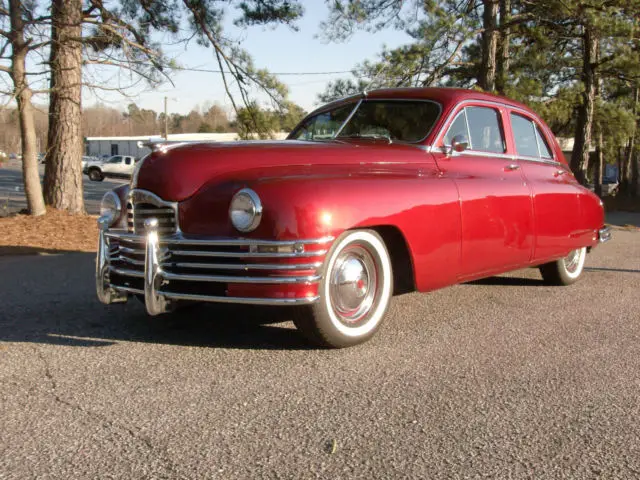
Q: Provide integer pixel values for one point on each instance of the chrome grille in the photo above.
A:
(137, 213)
(142, 204)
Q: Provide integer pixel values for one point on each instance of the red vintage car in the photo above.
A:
(386, 192)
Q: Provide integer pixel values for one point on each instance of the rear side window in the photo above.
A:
(481, 126)
(528, 138)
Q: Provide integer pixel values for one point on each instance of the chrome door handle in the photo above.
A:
(511, 167)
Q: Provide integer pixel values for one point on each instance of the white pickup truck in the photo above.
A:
(118, 166)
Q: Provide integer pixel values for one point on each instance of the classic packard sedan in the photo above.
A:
(385, 192)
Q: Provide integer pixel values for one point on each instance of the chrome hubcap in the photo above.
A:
(353, 284)
(572, 261)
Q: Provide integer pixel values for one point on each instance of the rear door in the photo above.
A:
(495, 203)
(555, 191)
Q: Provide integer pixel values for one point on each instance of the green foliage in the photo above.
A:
(544, 68)
(256, 122)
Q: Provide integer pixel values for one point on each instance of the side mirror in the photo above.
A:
(459, 143)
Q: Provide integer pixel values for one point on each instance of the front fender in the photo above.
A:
(419, 204)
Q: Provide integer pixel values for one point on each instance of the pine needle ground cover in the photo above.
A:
(55, 232)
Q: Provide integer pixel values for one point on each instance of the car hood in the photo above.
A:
(176, 172)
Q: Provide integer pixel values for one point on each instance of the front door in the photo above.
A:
(495, 202)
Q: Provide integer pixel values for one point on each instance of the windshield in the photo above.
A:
(406, 121)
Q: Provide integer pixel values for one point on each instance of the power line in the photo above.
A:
(207, 70)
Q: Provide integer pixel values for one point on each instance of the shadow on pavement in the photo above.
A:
(509, 282)
(623, 219)
(51, 299)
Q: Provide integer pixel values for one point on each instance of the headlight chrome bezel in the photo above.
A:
(254, 199)
(113, 211)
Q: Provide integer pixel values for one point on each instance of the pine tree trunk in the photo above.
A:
(584, 124)
(30, 174)
(63, 174)
(503, 64)
(597, 180)
(629, 167)
(487, 80)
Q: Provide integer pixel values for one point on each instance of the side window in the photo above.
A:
(458, 127)
(485, 129)
(545, 151)
(128, 161)
(116, 159)
(524, 134)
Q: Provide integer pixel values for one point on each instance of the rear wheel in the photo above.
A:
(95, 175)
(354, 292)
(565, 271)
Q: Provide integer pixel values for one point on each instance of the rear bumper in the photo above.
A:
(168, 269)
(604, 235)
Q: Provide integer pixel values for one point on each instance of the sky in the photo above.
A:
(277, 49)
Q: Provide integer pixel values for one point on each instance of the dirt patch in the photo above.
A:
(55, 232)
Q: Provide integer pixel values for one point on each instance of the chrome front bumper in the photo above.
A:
(153, 262)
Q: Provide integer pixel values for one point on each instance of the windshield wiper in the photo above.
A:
(372, 135)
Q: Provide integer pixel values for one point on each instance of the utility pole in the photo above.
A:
(166, 121)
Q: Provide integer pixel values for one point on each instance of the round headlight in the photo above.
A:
(110, 207)
(245, 210)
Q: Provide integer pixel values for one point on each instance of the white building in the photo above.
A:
(107, 146)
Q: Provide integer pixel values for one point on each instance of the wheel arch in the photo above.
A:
(401, 261)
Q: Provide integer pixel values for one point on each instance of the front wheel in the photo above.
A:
(355, 291)
(565, 271)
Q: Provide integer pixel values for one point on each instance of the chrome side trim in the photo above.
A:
(244, 266)
(240, 300)
(232, 279)
(179, 239)
(194, 253)
(604, 235)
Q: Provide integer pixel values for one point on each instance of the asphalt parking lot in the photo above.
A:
(12, 189)
(500, 378)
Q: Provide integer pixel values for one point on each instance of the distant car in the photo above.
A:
(405, 189)
(118, 166)
(609, 185)
(13, 156)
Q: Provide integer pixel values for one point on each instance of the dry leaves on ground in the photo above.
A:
(57, 231)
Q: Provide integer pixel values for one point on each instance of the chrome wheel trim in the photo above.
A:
(574, 262)
(368, 312)
(353, 284)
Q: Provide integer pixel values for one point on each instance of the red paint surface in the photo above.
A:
(461, 216)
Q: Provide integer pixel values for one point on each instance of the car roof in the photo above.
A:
(444, 95)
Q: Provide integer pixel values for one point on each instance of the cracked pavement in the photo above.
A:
(503, 377)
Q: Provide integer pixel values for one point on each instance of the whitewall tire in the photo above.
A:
(355, 292)
(565, 271)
